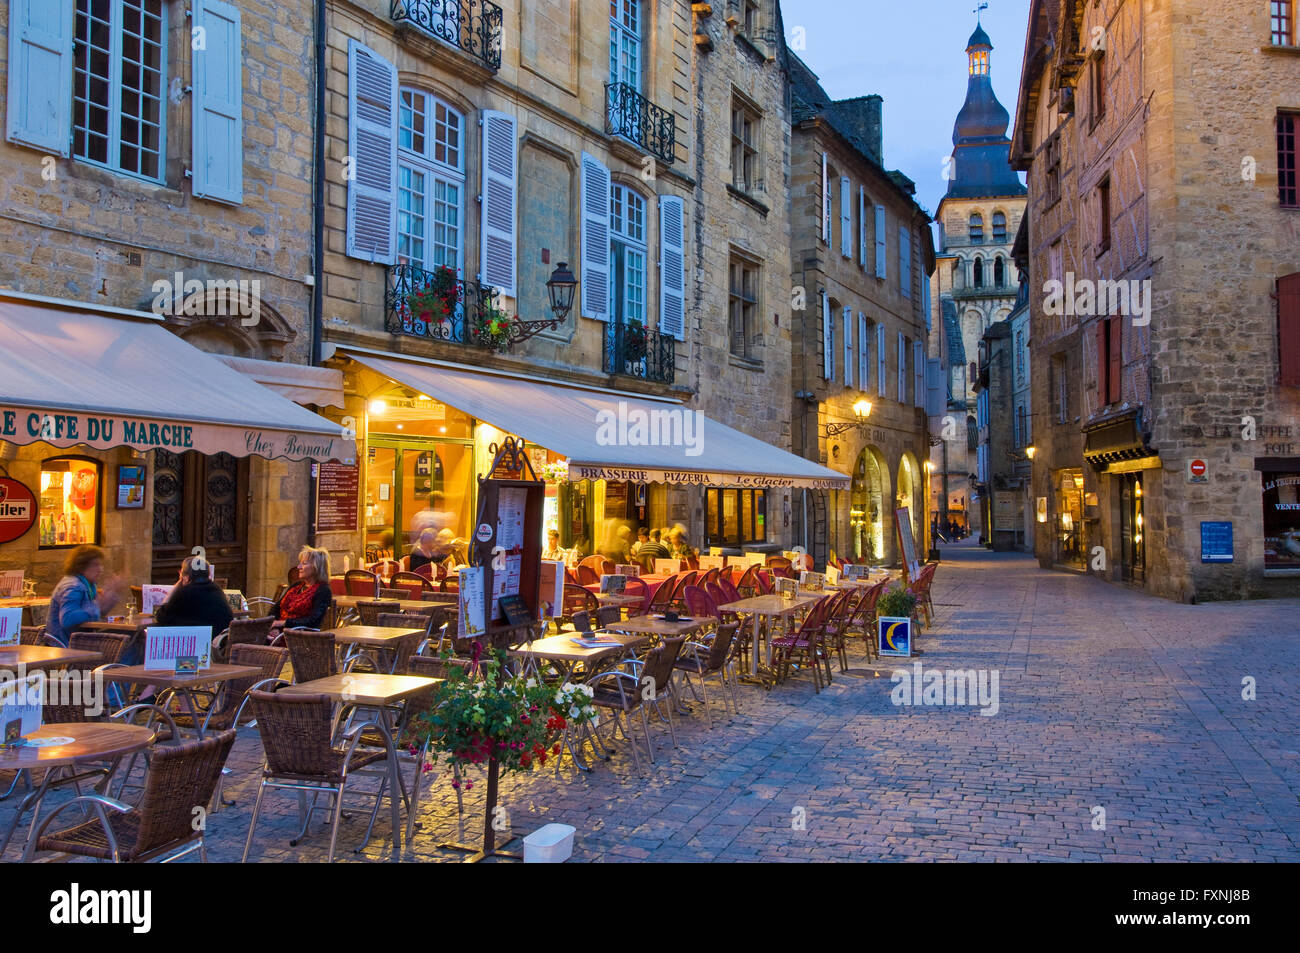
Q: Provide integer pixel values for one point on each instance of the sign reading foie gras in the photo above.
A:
(17, 509)
(164, 644)
(22, 425)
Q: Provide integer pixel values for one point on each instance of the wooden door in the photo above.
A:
(200, 500)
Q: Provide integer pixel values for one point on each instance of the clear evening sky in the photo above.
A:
(911, 52)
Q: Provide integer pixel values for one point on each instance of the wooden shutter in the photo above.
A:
(1103, 361)
(595, 238)
(1288, 330)
(500, 191)
(672, 266)
(902, 368)
(828, 340)
(826, 202)
(39, 112)
(882, 265)
(372, 146)
(846, 217)
(848, 347)
(925, 293)
(882, 363)
(217, 107)
(918, 373)
(1114, 390)
(864, 352)
(905, 260)
(933, 387)
(862, 226)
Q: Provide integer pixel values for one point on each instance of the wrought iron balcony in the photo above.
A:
(473, 26)
(636, 351)
(632, 116)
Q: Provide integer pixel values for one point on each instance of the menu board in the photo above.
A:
(552, 576)
(472, 621)
(510, 537)
(903, 523)
(338, 492)
(856, 571)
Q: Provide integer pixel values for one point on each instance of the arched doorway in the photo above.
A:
(910, 493)
(868, 494)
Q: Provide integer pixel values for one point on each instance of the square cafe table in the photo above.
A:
(184, 684)
(653, 625)
(379, 637)
(35, 657)
(769, 606)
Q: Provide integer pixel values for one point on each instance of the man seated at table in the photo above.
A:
(649, 546)
(195, 600)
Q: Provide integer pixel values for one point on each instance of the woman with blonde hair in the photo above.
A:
(78, 597)
(304, 604)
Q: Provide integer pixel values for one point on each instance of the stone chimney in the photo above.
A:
(862, 119)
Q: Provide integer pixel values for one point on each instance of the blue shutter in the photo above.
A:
(826, 202)
(848, 347)
(39, 112)
(882, 363)
(882, 266)
(372, 146)
(218, 122)
(918, 373)
(672, 266)
(846, 217)
(902, 368)
(828, 340)
(862, 226)
(905, 260)
(500, 188)
(864, 352)
(595, 238)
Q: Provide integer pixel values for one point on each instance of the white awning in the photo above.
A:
(88, 377)
(607, 436)
(300, 383)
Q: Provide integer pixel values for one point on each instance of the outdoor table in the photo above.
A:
(90, 741)
(653, 625)
(183, 684)
(26, 603)
(379, 637)
(34, 657)
(406, 605)
(769, 606)
(134, 628)
(622, 600)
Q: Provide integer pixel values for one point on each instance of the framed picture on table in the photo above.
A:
(130, 487)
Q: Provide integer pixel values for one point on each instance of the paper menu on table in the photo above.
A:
(11, 626)
(832, 575)
(151, 597)
(11, 583)
(163, 644)
(20, 701)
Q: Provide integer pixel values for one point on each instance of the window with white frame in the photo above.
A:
(430, 182)
(119, 76)
(627, 255)
(625, 42)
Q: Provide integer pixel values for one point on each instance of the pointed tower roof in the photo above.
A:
(979, 136)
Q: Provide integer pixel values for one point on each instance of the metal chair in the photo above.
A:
(714, 658)
(623, 690)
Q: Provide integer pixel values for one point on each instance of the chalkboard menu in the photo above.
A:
(906, 544)
(338, 489)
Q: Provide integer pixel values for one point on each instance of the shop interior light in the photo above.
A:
(379, 407)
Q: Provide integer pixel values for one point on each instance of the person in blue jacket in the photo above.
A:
(79, 597)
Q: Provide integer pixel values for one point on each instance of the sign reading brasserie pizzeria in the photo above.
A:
(338, 489)
(61, 429)
(17, 509)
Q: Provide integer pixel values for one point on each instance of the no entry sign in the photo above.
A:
(1198, 471)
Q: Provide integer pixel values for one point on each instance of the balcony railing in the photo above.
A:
(473, 26)
(453, 322)
(631, 115)
(639, 352)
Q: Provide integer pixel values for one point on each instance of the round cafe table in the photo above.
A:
(87, 741)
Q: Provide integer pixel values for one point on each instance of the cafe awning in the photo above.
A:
(79, 375)
(610, 436)
(300, 383)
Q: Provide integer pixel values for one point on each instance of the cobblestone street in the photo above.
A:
(1108, 699)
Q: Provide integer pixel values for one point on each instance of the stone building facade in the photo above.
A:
(114, 197)
(1166, 442)
(975, 285)
(594, 134)
(862, 256)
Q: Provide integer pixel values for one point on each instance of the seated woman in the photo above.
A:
(79, 597)
(304, 604)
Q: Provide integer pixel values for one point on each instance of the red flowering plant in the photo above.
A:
(520, 719)
(435, 301)
(494, 328)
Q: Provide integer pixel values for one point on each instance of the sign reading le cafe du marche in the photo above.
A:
(105, 432)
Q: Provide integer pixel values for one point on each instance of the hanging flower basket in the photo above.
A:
(437, 299)
(495, 329)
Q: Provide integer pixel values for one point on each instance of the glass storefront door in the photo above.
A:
(1069, 543)
(1131, 525)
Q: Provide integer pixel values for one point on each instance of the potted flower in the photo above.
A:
(437, 299)
(516, 719)
(894, 611)
(557, 472)
(493, 328)
(634, 342)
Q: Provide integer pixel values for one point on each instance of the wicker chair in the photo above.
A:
(712, 658)
(403, 649)
(31, 634)
(361, 582)
(311, 654)
(608, 615)
(622, 690)
(805, 642)
(586, 576)
(242, 632)
(270, 659)
(39, 613)
(296, 734)
(161, 826)
(370, 611)
(397, 594)
(109, 645)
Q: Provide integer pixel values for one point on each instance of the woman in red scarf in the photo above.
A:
(305, 603)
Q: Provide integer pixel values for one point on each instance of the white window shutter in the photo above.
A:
(862, 225)
(848, 347)
(864, 352)
(595, 238)
(828, 340)
(905, 260)
(882, 368)
(902, 368)
(672, 266)
(933, 387)
(500, 191)
(217, 107)
(882, 266)
(918, 373)
(846, 217)
(39, 112)
(826, 201)
(925, 293)
(372, 146)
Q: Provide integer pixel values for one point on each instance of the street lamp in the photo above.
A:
(861, 410)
